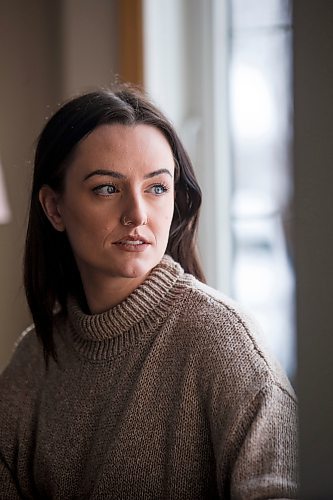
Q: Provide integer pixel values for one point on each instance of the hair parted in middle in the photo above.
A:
(50, 270)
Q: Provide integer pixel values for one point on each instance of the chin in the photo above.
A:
(139, 268)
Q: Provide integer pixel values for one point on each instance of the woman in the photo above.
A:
(137, 380)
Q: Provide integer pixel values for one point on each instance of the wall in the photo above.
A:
(29, 84)
(48, 51)
(313, 77)
(89, 44)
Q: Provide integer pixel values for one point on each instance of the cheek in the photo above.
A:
(168, 209)
(83, 218)
(163, 211)
(83, 230)
(165, 222)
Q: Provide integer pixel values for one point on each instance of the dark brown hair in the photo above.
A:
(50, 271)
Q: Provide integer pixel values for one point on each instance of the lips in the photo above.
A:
(132, 240)
(132, 243)
(136, 242)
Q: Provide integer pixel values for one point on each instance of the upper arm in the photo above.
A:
(265, 463)
(252, 416)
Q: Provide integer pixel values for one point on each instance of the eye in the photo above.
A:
(158, 189)
(105, 189)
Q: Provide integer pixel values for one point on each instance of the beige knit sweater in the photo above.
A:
(168, 395)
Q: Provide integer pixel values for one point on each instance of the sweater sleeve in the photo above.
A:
(16, 416)
(265, 463)
(251, 407)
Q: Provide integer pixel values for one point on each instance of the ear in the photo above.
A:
(49, 200)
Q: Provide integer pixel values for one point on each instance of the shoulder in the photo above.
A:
(214, 305)
(213, 313)
(24, 370)
(20, 383)
(228, 340)
(27, 348)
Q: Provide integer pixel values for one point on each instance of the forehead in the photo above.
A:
(122, 146)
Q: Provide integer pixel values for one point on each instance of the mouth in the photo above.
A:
(132, 243)
(135, 239)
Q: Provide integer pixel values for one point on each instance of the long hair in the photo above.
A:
(50, 270)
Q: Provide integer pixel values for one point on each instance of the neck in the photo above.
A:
(103, 335)
(102, 294)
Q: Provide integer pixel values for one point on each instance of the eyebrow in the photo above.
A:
(110, 173)
(158, 172)
(118, 175)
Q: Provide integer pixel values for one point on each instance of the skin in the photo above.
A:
(117, 172)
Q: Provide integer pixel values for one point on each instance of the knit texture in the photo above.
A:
(168, 395)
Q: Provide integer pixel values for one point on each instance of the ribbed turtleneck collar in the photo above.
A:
(100, 336)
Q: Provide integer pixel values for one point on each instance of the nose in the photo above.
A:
(134, 212)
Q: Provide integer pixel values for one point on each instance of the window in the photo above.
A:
(260, 125)
(220, 69)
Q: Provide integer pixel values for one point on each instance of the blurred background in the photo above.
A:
(248, 85)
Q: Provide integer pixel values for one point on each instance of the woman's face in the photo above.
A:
(118, 202)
